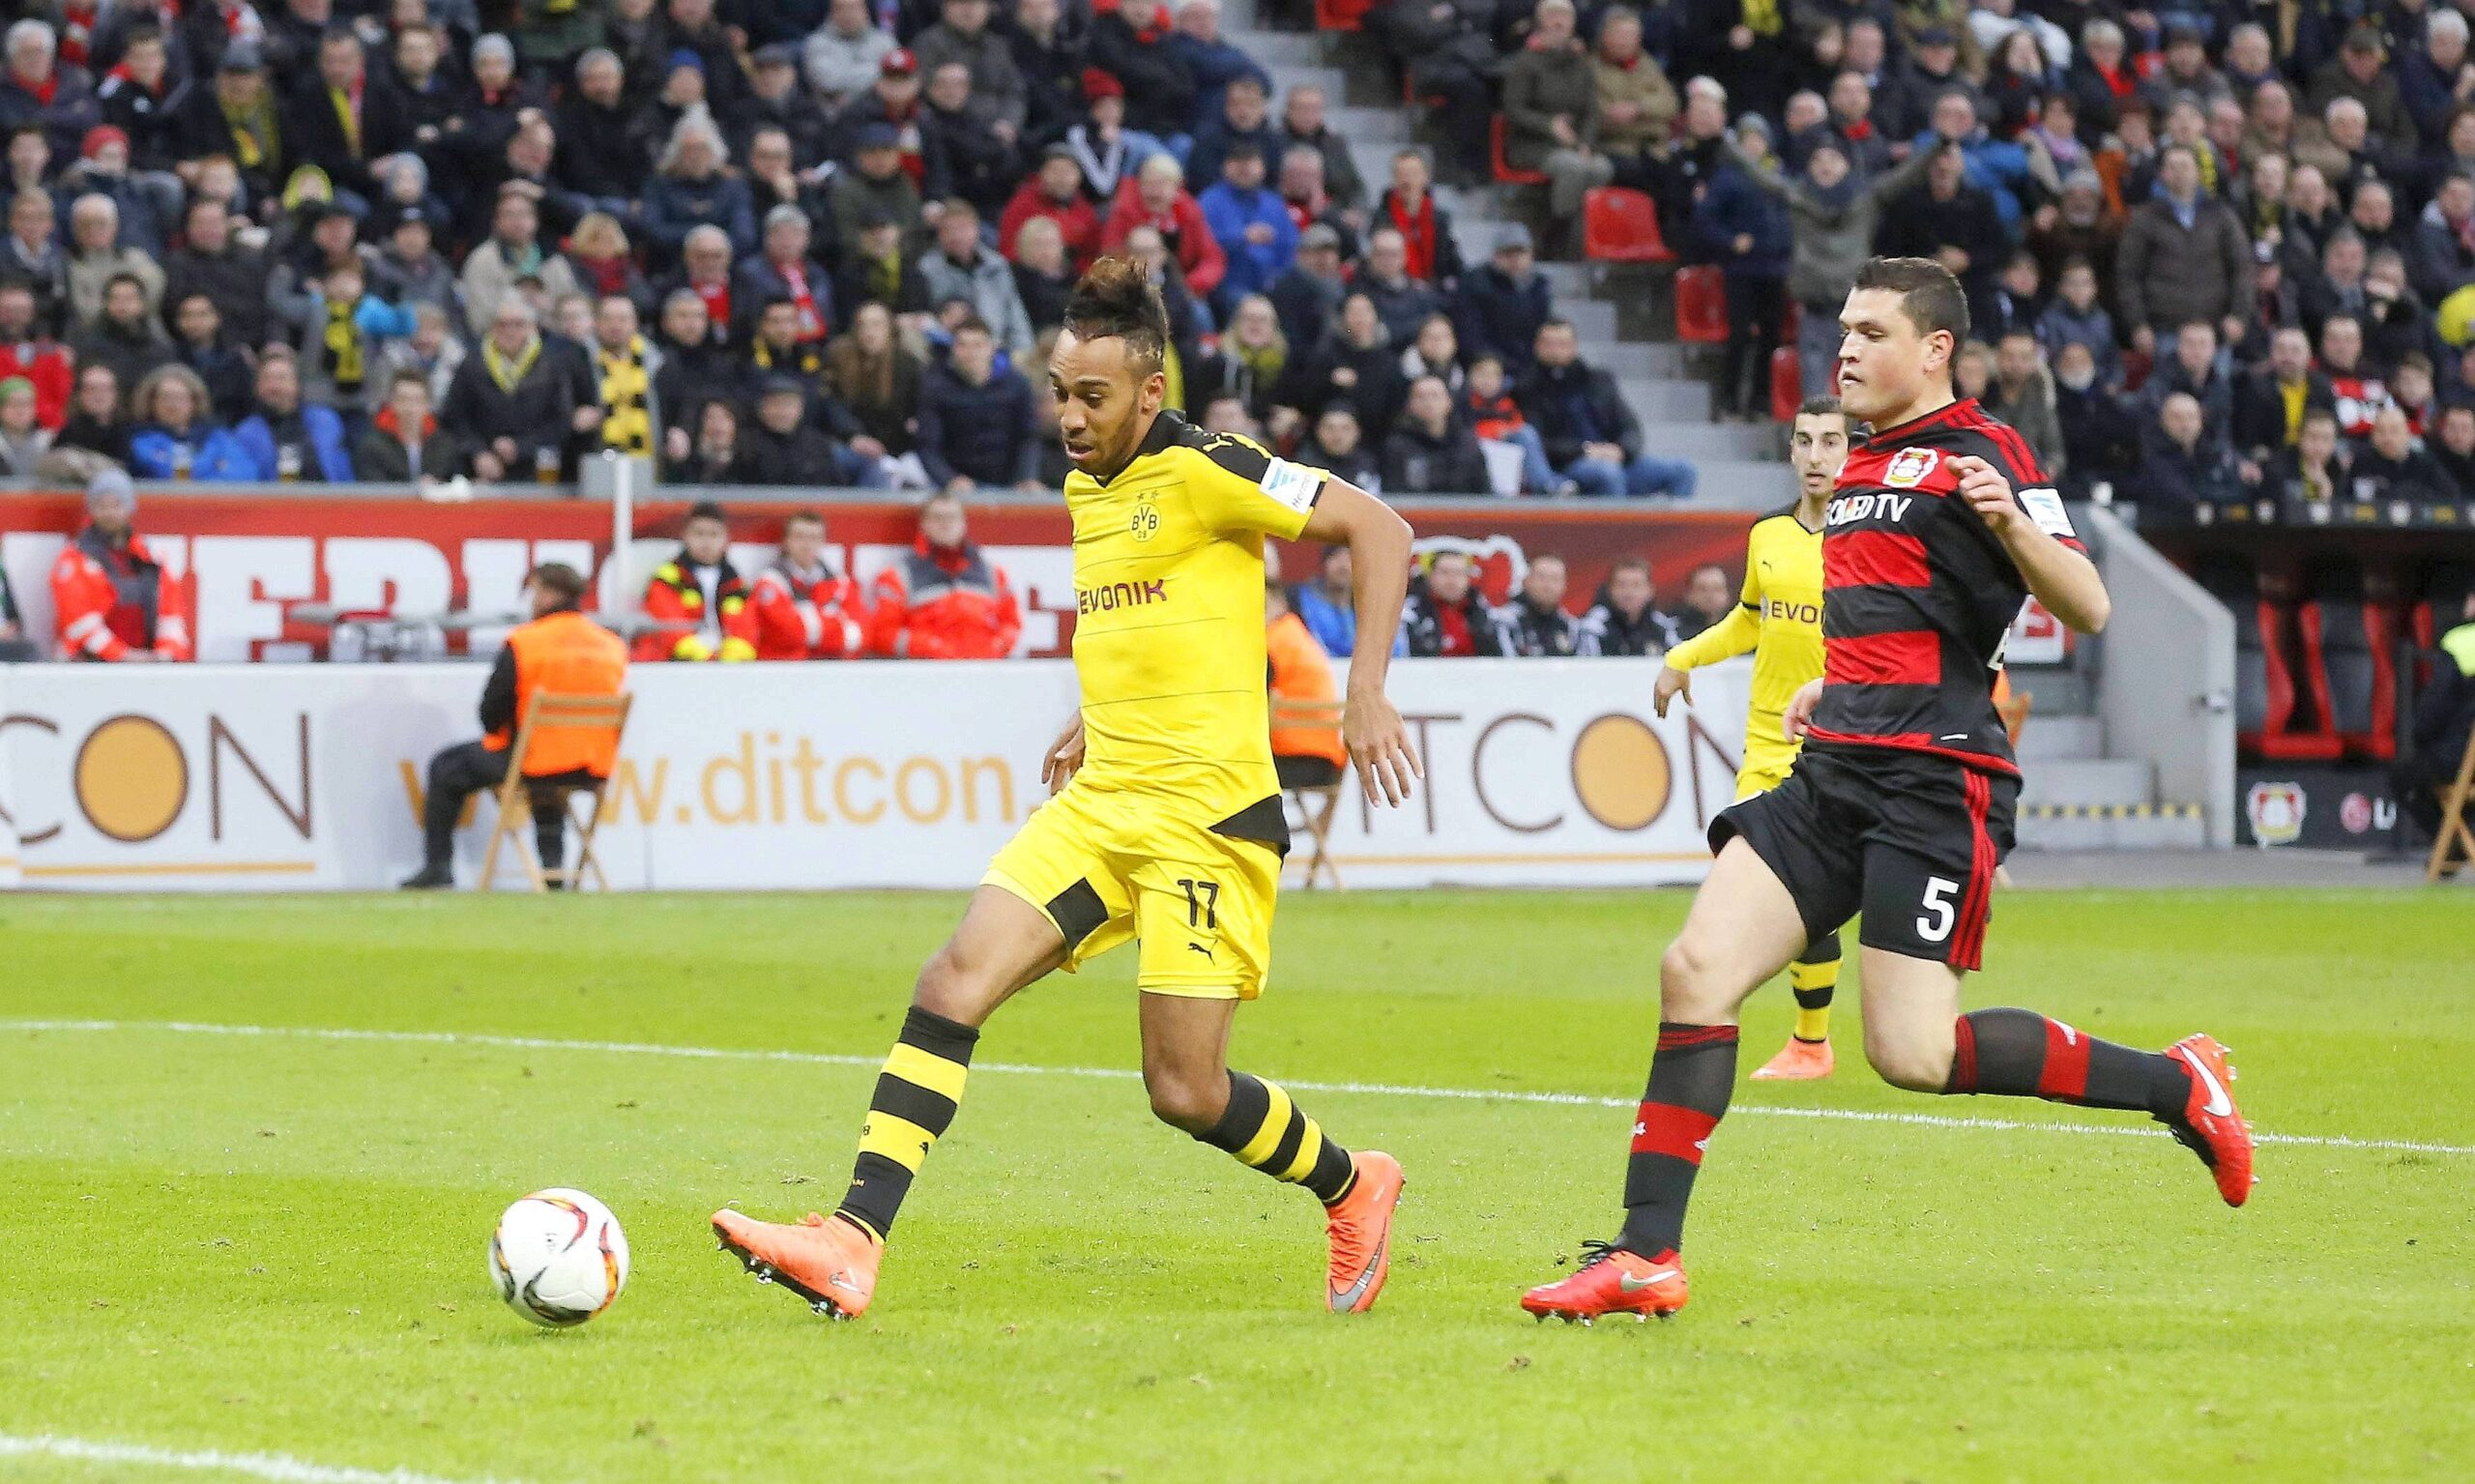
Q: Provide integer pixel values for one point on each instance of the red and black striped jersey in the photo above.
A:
(1918, 595)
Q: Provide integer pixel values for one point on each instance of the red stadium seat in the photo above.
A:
(1505, 174)
(2347, 649)
(1621, 226)
(1701, 306)
(1787, 385)
(1340, 15)
(1792, 323)
(2278, 738)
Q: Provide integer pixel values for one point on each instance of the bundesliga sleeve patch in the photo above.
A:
(1293, 484)
(2045, 507)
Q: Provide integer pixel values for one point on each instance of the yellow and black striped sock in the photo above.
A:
(915, 1098)
(1813, 977)
(1266, 1130)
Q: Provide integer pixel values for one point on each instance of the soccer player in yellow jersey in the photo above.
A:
(1780, 621)
(1166, 829)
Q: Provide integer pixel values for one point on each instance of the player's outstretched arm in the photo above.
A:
(2062, 579)
(1379, 543)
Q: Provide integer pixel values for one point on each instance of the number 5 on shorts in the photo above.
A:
(1936, 927)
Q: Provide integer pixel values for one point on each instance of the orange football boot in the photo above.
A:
(827, 1261)
(1361, 1233)
(1612, 1281)
(2212, 1126)
(1799, 1060)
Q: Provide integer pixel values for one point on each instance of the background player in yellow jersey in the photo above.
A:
(1170, 831)
(1780, 620)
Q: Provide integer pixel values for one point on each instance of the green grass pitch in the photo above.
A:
(273, 1243)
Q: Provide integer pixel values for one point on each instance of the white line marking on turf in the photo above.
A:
(258, 1465)
(1114, 1073)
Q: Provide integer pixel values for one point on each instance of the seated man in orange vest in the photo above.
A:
(562, 652)
(805, 609)
(1308, 755)
(110, 600)
(698, 599)
(943, 598)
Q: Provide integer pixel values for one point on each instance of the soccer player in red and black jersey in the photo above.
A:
(1900, 805)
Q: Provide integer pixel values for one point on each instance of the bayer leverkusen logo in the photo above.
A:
(1909, 467)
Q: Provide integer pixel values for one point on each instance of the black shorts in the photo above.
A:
(1910, 837)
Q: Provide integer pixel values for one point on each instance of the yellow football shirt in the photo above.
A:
(1779, 619)
(1169, 618)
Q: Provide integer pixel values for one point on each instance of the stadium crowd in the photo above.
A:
(2212, 249)
(792, 242)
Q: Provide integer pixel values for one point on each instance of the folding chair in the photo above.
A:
(554, 712)
(1315, 806)
(2454, 832)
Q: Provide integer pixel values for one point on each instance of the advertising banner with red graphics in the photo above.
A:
(784, 777)
(252, 558)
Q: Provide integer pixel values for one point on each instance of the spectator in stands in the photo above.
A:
(111, 601)
(1309, 296)
(777, 102)
(871, 373)
(1949, 220)
(1637, 105)
(2270, 401)
(2432, 82)
(511, 252)
(976, 424)
(711, 456)
(31, 258)
(403, 444)
(1430, 253)
(2100, 437)
(2395, 322)
(1106, 151)
(284, 440)
(876, 186)
(176, 436)
(1159, 200)
(784, 448)
(1159, 87)
(95, 258)
(690, 188)
(1551, 111)
(1338, 443)
(805, 609)
(146, 205)
(39, 90)
(2183, 256)
(28, 352)
(560, 649)
(341, 325)
(784, 270)
(2360, 390)
(1402, 302)
(137, 96)
(95, 425)
(1250, 360)
(517, 400)
(1489, 407)
(1330, 608)
(843, 57)
(1217, 66)
(959, 267)
(1242, 117)
(1303, 124)
(1434, 352)
(410, 270)
(1430, 451)
(2360, 73)
(124, 337)
(1708, 598)
(2023, 394)
(689, 368)
(943, 598)
(1305, 753)
(1355, 360)
(340, 122)
(2316, 466)
(2391, 467)
(1054, 191)
(967, 138)
(1624, 618)
(2193, 368)
(1251, 225)
(1445, 617)
(24, 439)
(1534, 625)
(2443, 259)
(1748, 232)
(1591, 435)
(2074, 317)
(1050, 56)
(2453, 447)
(1499, 309)
(1043, 277)
(2185, 465)
(211, 261)
(881, 269)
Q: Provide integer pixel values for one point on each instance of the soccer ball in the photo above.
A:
(559, 1258)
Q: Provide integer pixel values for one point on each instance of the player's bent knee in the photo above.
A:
(1914, 1064)
(1690, 987)
(948, 986)
(1192, 1102)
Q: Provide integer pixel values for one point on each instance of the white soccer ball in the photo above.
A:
(559, 1258)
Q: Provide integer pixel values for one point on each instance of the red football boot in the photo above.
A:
(1612, 1281)
(825, 1260)
(2212, 1126)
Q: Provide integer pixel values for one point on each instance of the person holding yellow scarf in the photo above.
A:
(517, 400)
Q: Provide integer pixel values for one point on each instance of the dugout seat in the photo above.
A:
(1621, 225)
(518, 796)
(1313, 808)
(1787, 385)
(2295, 725)
(1505, 174)
(2266, 646)
(2353, 648)
(1701, 306)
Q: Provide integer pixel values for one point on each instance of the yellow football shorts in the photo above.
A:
(1768, 758)
(1198, 904)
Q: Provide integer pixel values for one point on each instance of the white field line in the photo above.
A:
(1372, 1089)
(256, 1466)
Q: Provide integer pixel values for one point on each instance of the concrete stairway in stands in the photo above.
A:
(1739, 463)
(2073, 795)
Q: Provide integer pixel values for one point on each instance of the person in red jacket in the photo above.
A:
(805, 610)
(110, 600)
(27, 351)
(944, 600)
(1056, 192)
(697, 599)
(1156, 197)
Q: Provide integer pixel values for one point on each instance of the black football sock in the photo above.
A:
(1265, 1130)
(915, 1102)
(2022, 1054)
(1692, 1075)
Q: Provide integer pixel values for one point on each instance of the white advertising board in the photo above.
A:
(279, 778)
